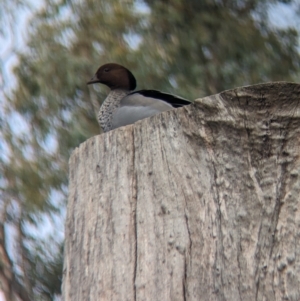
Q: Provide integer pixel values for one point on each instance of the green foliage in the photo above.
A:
(217, 45)
(46, 278)
(189, 47)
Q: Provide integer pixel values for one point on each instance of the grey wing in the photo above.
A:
(135, 107)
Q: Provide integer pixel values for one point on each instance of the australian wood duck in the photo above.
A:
(124, 106)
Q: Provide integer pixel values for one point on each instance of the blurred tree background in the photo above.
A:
(189, 47)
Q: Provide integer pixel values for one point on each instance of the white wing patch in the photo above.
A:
(136, 107)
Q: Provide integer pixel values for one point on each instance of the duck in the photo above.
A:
(123, 105)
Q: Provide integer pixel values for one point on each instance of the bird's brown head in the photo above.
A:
(114, 76)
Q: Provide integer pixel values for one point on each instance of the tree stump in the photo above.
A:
(198, 203)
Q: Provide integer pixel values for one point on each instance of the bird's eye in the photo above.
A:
(106, 70)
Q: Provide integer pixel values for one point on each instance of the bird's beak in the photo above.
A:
(93, 80)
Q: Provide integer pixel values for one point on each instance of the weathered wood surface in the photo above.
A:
(199, 203)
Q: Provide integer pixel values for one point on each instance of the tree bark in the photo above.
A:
(198, 203)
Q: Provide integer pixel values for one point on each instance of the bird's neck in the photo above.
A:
(111, 102)
(115, 96)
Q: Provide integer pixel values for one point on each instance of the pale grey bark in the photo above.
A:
(198, 203)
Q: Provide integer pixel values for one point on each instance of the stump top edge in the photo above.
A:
(273, 95)
(256, 90)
